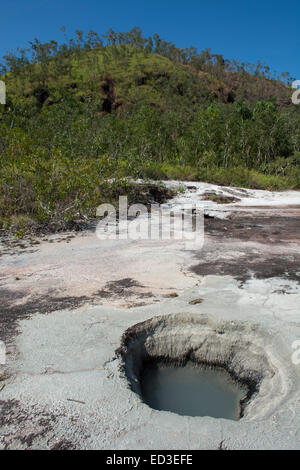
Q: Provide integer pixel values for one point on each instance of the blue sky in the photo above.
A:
(246, 30)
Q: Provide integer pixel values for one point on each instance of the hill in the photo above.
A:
(91, 110)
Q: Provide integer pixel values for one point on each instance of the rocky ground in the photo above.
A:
(66, 300)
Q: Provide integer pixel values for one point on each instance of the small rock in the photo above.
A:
(196, 301)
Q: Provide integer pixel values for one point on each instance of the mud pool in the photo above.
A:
(192, 391)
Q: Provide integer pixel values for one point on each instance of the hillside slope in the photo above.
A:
(83, 113)
(133, 76)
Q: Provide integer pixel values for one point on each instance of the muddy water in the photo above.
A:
(192, 391)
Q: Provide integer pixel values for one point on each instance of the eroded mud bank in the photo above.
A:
(236, 347)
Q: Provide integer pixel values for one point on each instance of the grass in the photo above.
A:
(238, 176)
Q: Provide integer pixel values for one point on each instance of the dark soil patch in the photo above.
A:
(10, 313)
(63, 444)
(123, 288)
(247, 262)
(244, 267)
(259, 228)
(27, 426)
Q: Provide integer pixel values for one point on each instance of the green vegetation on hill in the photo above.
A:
(91, 110)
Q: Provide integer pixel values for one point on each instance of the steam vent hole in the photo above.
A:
(193, 365)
